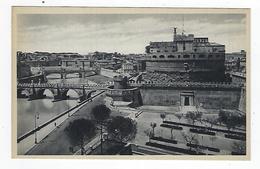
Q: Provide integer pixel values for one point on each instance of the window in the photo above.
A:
(154, 56)
(194, 56)
(186, 101)
(179, 56)
(186, 56)
(171, 56)
(195, 50)
(166, 51)
(201, 56)
(158, 51)
(161, 56)
(210, 56)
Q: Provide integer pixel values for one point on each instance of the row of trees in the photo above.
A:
(230, 119)
(118, 128)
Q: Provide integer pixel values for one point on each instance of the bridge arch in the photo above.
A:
(48, 92)
(25, 92)
(73, 93)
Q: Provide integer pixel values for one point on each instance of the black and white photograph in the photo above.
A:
(130, 82)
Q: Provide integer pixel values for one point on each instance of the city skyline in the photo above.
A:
(127, 33)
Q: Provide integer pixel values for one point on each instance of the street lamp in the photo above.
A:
(36, 117)
(68, 106)
(101, 139)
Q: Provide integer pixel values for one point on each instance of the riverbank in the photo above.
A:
(57, 142)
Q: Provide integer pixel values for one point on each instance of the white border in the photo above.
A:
(5, 87)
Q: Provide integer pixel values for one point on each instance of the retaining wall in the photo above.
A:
(214, 99)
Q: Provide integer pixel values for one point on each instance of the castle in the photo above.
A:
(194, 58)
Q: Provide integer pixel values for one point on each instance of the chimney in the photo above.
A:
(174, 33)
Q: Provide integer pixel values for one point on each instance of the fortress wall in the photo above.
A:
(178, 65)
(242, 102)
(215, 99)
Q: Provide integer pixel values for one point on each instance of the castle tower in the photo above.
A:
(174, 33)
(120, 82)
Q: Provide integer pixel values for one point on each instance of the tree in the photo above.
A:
(239, 148)
(163, 116)
(172, 133)
(212, 121)
(79, 131)
(231, 120)
(153, 125)
(190, 138)
(179, 116)
(101, 113)
(213, 138)
(194, 116)
(122, 129)
(149, 133)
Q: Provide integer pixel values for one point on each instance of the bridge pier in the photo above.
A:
(82, 74)
(60, 94)
(63, 75)
(83, 95)
(36, 94)
(82, 98)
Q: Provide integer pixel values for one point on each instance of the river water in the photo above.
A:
(45, 109)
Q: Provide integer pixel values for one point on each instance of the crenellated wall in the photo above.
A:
(209, 95)
(210, 99)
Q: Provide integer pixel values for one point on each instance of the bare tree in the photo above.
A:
(213, 138)
(148, 133)
(153, 125)
(179, 116)
(190, 138)
(211, 121)
(194, 116)
(172, 133)
(163, 116)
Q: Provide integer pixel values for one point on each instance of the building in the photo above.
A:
(238, 78)
(128, 67)
(236, 61)
(193, 57)
(82, 63)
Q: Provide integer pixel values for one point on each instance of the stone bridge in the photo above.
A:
(36, 90)
(63, 71)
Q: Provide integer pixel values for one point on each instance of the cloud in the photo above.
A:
(125, 34)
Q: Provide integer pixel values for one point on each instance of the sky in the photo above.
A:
(124, 33)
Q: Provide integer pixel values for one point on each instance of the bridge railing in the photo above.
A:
(62, 85)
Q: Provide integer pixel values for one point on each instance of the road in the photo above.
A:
(57, 142)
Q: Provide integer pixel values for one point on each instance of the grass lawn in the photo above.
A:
(99, 79)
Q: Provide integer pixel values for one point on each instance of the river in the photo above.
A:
(45, 109)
